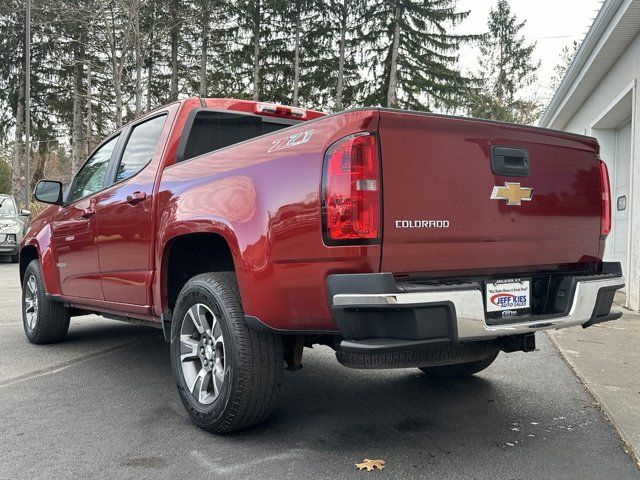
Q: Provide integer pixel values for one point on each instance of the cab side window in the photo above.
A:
(90, 178)
(140, 147)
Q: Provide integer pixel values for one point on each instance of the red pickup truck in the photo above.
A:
(247, 231)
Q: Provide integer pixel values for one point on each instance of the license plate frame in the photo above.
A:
(507, 295)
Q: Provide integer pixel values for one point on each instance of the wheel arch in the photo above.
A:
(28, 253)
(39, 247)
(186, 255)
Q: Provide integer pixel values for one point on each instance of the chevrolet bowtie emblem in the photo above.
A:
(513, 193)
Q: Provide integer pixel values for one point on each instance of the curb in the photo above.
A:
(624, 443)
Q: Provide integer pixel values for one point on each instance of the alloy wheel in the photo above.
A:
(202, 353)
(31, 302)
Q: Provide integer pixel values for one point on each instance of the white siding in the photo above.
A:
(620, 149)
(626, 69)
(621, 195)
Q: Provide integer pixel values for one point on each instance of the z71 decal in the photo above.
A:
(291, 141)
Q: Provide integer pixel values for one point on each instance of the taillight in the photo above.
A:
(351, 191)
(605, 203)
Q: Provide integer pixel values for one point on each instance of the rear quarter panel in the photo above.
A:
(266, 204)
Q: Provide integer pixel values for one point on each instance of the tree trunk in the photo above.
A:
(150, 64)
(296, 62)
(38, 172)
(392, 92)
(343, 40)
(256, 51)
(115, 68)
(18, 145)
(89, 132)
(117, 84)
(77, 153)
(204, 50)
(175, 31)
(138, 57)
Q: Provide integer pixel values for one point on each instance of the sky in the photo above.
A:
(552, 24)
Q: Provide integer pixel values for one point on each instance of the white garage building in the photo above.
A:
(599, 97)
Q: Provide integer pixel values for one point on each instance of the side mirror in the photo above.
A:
(48, 191)
(25, 213)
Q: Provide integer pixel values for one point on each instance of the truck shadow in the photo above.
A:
(341, 408)
(524, 408)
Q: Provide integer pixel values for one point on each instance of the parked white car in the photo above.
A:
(13, 225)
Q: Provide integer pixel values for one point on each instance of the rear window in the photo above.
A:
(140, 147)
(213, 130)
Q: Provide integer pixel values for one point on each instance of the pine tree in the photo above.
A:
(507, 68)
(97, 64)
(412, 55)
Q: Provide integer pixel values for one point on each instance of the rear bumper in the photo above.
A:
(376, 314)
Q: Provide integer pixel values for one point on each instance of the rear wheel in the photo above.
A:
(44, 320)
(15, 258)
(227, 374)
(460, 370)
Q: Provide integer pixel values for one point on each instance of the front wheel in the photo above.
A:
(460, 370)
(227, 375)
(44, 320)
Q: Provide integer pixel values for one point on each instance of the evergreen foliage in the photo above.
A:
(507, 68)
(97, 64)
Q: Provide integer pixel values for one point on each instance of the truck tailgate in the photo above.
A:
(437, 182)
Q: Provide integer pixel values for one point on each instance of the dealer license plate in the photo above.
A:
(512, 294)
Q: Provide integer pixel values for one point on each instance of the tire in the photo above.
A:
(44, 320)
(227, 375)
(460, 370)
(15, 258)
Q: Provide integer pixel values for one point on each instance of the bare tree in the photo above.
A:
(392, 92)
(204, 47)
(116, 29)
(138, 55)
(89, 110)
(344, 15)
(77, 134)
(256, 49)
(296, 59)
(18, 143)
(174, 34)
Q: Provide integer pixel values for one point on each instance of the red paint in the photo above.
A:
(76, 252)
(438, 168)
(267, 206)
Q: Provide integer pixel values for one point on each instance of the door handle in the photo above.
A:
(87, 212)
(136, 197)
(509, 162)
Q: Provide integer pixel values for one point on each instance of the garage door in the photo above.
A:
(621, 200)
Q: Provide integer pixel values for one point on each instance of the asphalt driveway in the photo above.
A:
(103, 405)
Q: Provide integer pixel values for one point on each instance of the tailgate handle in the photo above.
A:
(509, 162)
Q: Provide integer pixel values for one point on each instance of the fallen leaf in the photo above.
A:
(370, 465)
